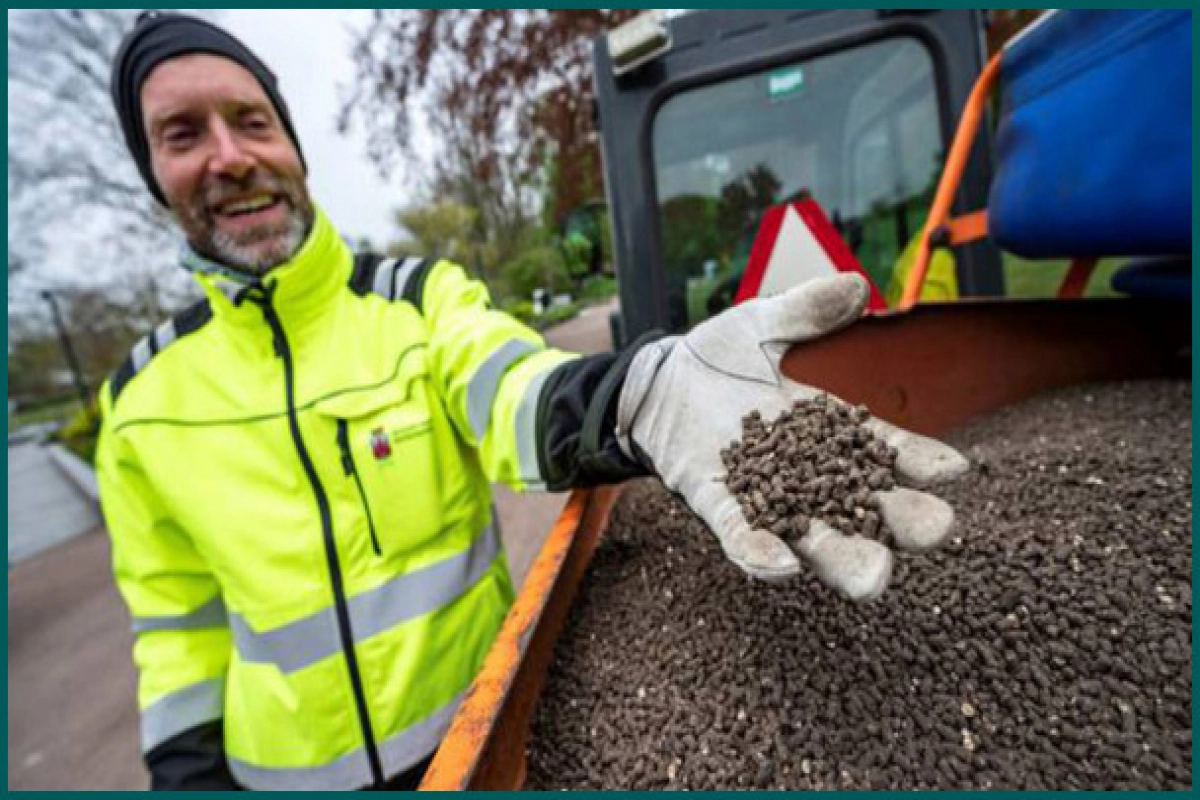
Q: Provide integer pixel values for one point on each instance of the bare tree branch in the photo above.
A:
(70, 176)
(507, 91)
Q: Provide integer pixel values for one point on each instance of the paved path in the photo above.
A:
(72, 718)
(44, 507)
(72, 713)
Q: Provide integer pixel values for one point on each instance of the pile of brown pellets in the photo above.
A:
(1047, 646)
(816, 459)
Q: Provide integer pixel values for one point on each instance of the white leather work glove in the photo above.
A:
(684, 399)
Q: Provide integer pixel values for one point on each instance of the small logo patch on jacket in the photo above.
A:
(381, 444)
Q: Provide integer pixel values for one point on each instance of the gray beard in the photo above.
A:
(224, 248)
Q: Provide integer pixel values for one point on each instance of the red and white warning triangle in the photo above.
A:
(795, 243)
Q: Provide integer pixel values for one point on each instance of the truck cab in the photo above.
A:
(740, 110)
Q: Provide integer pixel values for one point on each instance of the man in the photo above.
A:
(295, 471)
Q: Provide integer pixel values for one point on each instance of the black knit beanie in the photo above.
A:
(158, 36)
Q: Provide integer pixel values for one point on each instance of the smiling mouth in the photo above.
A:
(247, 206)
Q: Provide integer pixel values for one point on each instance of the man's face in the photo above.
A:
(225, 163)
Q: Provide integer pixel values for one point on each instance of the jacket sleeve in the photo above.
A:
(182, 639)
(542, 419)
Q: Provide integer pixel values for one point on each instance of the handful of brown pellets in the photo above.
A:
(815, 460)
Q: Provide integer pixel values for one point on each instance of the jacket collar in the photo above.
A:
(299, 289)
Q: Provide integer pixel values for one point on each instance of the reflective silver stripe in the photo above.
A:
(527, 459)
(141, 354)
(382, 285)
(404, 274)
(164, 334)
(406, 748)
(310, 639)
(351, 771)
(176, 712)
(481, 391)
(209, 615)
(424, 590)
(292, 647)
(152, 343)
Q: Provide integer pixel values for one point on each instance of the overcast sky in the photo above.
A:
(309, 50)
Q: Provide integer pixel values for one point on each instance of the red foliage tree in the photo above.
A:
(508, 92)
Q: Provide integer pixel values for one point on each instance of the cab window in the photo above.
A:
(858, 131)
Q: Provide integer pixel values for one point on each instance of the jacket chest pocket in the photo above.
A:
(388, 462)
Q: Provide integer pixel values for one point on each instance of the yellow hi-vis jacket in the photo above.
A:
(295, 478)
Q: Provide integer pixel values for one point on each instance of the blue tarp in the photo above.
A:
(1094, 145)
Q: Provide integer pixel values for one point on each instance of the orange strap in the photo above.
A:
(968, 227)
(956, 163)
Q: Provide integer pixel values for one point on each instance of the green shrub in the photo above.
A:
(577, 254)
(541, 267)
(521, 309)
(54, 410)
(556, 315)
(81, 431)
(597, 287)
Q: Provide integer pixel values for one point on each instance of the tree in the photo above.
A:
(745, 200)
(69, 175)
(689, 232)
(499, 197)
(36, 368)
(100, 329)
(81, 223)
(508, 92)
(447, 230)
(536, 267)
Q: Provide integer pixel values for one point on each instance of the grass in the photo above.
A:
(1028, 279)
(556, 315)
(597, 288)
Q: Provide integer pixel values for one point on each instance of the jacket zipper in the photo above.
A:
(343, 438)
(283, 351)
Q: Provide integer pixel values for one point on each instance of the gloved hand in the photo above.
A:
(684, 399)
